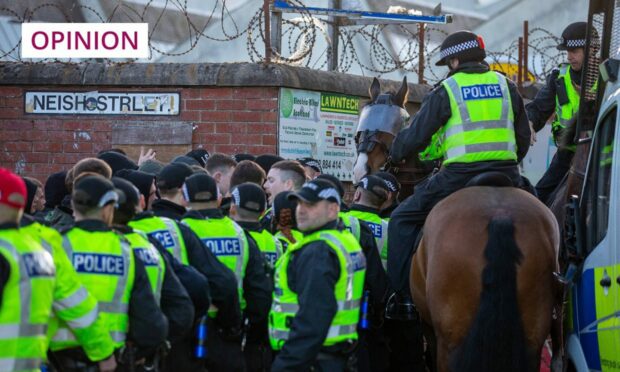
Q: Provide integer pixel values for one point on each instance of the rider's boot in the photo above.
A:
(401, 307)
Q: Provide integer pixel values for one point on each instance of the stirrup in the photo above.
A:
(401, 308)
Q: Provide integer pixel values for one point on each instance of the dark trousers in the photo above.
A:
(372, 351)
(181, 356)
(560, 164)
(223, 354)
(408, 218)
(258, 356)
(406, 345)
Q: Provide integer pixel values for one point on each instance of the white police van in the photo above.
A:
(592, 318)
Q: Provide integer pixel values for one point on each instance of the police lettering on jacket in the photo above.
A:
(164, 237)
(38, 264)
(358, 260)
(94, 263)
(271, 258)
(223, 246)
(147, 256)
(377, 230)
(481, 91)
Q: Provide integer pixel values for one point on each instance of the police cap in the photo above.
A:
(317, 190)
(249, 196)
(574, 36)
(96, 191)
(312, 163)
(173, 175)
(390, 180)
(132, 195)
(464, 45)
(200, 188)
(375, 185)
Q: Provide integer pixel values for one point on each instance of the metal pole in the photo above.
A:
(276, 31)
(267, 34)
(421, 54)
(520, 64)
(526, 47)
(332, 31)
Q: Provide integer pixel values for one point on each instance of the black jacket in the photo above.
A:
(435, 112)
(387, 212)
(148, 327)
(222, 282)
(257, 286)
(543, 105)
(175, 301)
(5, 267)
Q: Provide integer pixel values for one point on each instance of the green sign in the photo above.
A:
(340, 103)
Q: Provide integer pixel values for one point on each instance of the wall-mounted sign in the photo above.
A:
(102, 103)
(319, 125)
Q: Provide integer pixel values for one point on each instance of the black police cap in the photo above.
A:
(96, 191)
(249, 196)
(464, 45)
(200, 188)
(173, 175)
(574, 36)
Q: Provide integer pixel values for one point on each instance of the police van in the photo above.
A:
(592, 315)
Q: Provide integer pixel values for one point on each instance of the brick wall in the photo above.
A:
(225, 119)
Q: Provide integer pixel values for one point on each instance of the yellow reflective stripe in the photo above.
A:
(66, 245)
(349, 266)
(283, 307)
(25, 287)
(10, 364)
(64, 334)
(334, 331)
(241, 259)
(480, 147)
(478, 125)
(72, 301)
(85, 320)
(172, 228)
(113, 307)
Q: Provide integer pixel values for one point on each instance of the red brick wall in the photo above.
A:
(229, 120)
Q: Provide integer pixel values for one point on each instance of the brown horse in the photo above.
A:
(483, 280)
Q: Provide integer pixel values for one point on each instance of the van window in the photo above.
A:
(598, 187)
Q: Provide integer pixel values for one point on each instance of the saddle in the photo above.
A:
(495, 179)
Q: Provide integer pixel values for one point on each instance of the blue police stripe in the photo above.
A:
(587, 315)
(481, 91)
(94, 263)
(359, 261)
(377, 230)
(164, 237)
(147, 256)
(37, 264)
(223, 246)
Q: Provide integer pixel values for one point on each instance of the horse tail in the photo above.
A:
(496, 339)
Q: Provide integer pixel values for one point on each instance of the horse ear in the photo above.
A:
(374, 90)
(403, 93)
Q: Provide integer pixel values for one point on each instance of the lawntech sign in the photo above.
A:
(85, 40)
(101, 103)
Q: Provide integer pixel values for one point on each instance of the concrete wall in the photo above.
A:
(231, 108)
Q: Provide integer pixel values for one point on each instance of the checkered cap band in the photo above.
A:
(455, 49)
(391, 186)
(575, 43)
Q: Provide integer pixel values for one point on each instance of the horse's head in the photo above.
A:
(379, 123)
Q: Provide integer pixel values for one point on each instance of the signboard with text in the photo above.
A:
(102, 103)
(319, 125)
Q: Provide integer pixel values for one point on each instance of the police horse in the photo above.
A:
(483, 274)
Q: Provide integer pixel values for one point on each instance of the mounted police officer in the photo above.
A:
(560, 96)
(475, 121)
(318, 287)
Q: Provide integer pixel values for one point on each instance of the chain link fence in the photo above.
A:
(370, 50)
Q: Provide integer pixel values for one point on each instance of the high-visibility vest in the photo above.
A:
(348, 290)
(564, 111)
(153, 262)
(297, 235)
(27, 301)
(74, 307)
(227, 241)
(105, 265)
(351, 223)
(268, 244)
(481, 127)
(379, 228)
(167, 232)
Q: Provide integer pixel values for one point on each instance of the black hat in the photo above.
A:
(312, 163)
(200, 155)
(151, 166)
(117, 161)
(464, 45)
(334, 180)
(375, 185)
(55, 189)
(241, 157)
(173, 175)
(200, 188)
(317, 190)
(139, 179)
(574, 36)
(96, 191)
(249, 196)
(186, 160)
(31, 190)
(267, 160)
(390, 180)
(281, 202)
(132, 195)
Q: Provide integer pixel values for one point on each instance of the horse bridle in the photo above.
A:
(367, 140)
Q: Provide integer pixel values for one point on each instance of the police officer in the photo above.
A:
(248, 203)
(228, 242)
(370, 194)
(72, 303)
(107, 267)
(312, 167)
(393, 194)
(171, 295)
(318, 287)
(560, 95)
(29, 288)
(475, 121)
(178, 239)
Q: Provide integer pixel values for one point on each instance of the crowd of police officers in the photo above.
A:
(233, 263)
